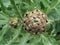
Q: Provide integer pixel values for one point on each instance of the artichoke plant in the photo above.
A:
(29, 22)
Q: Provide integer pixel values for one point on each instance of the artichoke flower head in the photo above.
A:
(35, 22)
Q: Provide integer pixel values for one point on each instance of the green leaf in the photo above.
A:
(16, 34)
(4, 30)
(17, 11)
(53, 3)
(45, 2)
(48, 41)
(24, 39)
(55, 18)
(57, 8)
(2, 22)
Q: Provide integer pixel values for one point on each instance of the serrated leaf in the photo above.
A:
(55, 18)
(47, 41)
(57, 8)
(45, 2)
(4, 30)
(16, 34)
(2, 22)
(53, 3)
(16, 9)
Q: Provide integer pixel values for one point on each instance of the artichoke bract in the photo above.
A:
(35, 21)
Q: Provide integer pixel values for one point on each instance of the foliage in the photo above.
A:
(18, 36)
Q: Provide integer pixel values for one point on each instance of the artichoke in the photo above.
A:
(14, 22)
(35, 22)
